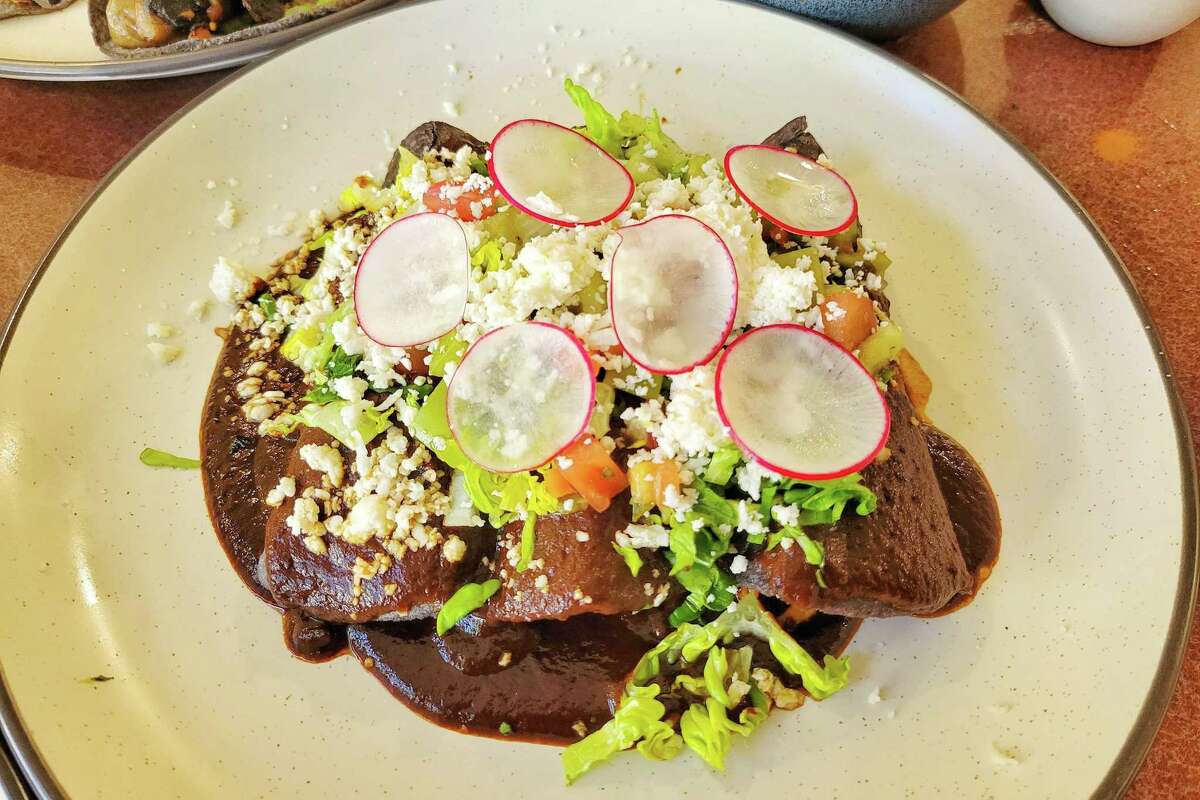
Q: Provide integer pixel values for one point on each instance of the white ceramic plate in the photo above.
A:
(1050, 685)
(58, 47)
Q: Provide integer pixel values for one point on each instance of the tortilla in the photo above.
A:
(100, 32)
(25, 8)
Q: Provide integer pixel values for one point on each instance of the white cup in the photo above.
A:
(1122, 22)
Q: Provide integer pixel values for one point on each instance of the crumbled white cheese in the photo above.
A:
(198, 309)
(160, 330)
(231, 282)
(786, 515)
(228, 216)
(367, 518)
(748, 518)
(284, 489)
(750, 476)
(739, 564)
(164, 353)
(349, 387)
(305, 519)
(647, 536)
(326, 460)
(453, 549)
(690, 425)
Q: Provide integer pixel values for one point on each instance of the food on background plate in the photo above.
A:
(585, 439)
(22, 8)
(142, 28)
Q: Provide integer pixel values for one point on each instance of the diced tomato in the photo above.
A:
(649, 482)
(848, 318)
(589, 468)
(557, 484)
(470, 203)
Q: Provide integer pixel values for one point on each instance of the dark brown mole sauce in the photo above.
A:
(558, 674)
(973, 510)
(238, 466)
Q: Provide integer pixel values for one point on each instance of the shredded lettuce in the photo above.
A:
(721, 465)
(469, 597)
(490, 256)
(365, 192)
(353, 423)
(694, 550)
(814, 551)
(638, 720)
(824, 502)
(638, 140)
(310, 347)
(600, 125)
(724, 685)
(747, 617)
(160, 458)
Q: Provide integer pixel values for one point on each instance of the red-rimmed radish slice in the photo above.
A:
(557, 175)
(673, 293)
(412, 280)
(799, 404)
(794, 192)
(520, 396)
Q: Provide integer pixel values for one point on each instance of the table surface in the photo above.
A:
(1119, 127)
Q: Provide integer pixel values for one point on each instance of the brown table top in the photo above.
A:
(1120, 127)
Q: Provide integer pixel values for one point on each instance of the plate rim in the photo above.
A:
(233, 54)
(1146, 725)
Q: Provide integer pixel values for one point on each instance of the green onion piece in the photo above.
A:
(469, 597)
(159, 458)
(632, 559)
(266, 301)
(505, 729)
(528, 531)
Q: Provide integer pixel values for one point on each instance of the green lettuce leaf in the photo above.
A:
(469, 597)
(747, 617)
(364, 425)
(160, 458)
(824, 502)
(721, 466)
(489, 256)
(638, 720)
(638, 140)
(600, 125)
(814, 551)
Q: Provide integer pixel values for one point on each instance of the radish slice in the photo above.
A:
(557, 175)
(412, 280)
(520, 396)
(799, 404)
(673, 293)
(794, 192)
